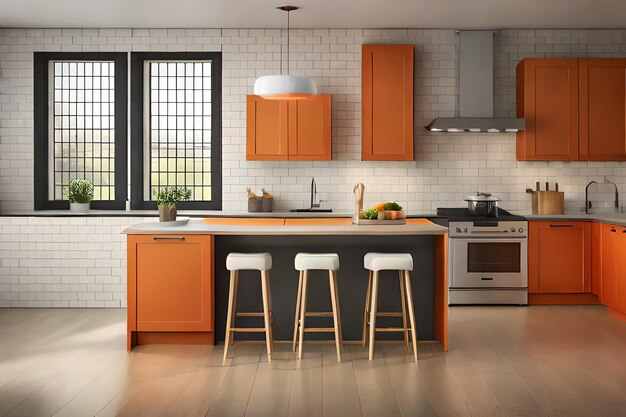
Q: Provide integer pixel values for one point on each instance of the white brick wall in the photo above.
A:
(63, 262)
(447, 166)
(53, 262)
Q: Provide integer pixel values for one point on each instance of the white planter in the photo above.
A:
(79, 207)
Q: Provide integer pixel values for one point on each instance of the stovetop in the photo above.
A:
(462, 214)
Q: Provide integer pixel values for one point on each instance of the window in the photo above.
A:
(176, 134)
(80, 127)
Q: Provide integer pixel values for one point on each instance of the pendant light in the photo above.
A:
(285, 86)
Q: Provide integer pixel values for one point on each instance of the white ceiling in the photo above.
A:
(458, 14)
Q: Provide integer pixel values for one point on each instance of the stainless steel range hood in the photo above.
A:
(476, 90)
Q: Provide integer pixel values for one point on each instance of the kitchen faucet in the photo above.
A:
(314, 196)
(588, 203)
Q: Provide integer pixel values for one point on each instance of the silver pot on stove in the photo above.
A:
(482, 204)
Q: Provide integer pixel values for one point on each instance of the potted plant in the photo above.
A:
(167, 199)
(79, 194)
(393, 210)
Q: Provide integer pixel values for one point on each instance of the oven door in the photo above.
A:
(485, 263)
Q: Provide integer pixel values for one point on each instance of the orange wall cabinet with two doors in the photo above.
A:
(170, 289)
(288, 129)
(575, 109)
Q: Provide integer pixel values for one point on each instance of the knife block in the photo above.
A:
(547, 202)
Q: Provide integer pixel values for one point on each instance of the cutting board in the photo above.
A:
(548, 202)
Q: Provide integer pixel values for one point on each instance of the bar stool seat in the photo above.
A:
(249, 261)
(310, 261)
(403, 263)
(304, 262)
(388, 261)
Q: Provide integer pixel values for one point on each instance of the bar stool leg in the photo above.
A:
(373, 311)
(366, 311)
(403, 301)
(336, 315)
(266, 314)
(305, 283)
(269, 303)
(234, 313)
(409, 298)
(231, 313)
(296, 323)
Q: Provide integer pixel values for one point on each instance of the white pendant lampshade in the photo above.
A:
(270, 85)
(285, 86)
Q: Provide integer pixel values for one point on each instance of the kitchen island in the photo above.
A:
(178, 282)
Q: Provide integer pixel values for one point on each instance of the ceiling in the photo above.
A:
(458, 14)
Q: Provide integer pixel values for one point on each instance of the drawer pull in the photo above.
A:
(169, 238)
(561, 225)
(613, 230)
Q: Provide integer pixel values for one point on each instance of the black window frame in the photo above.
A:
(137, 127)
(41, 74)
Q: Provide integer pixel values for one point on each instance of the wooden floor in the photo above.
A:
(504, 361)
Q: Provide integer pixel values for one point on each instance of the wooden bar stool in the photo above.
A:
(403, 263)
(305, 262)
(251, 261)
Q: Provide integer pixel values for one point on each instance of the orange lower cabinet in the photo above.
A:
(609, 265)
(559, 257)
(620, 270)
(596, 259)
(170, 289)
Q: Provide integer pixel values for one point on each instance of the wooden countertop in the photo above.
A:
(199, 226)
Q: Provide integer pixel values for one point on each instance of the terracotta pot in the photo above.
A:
(392, 215)
(167, 213)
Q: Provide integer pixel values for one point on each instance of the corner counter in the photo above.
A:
(178, 283)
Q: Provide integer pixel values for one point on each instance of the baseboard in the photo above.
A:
(174, 338)
(544, 299)
(617, 315)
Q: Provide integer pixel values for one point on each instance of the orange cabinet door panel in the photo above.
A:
(620, 270)
(609, 265)
(266, 129)
(559, 257)
(547, 96)
(596, 258)
(387, 102)
(174, 282)
(310, 129)
(603, 109)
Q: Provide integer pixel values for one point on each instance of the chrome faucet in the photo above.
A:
(315, 204)
(588, 203)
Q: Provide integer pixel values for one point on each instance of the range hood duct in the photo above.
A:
(476, 90)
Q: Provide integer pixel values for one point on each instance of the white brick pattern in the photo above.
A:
(53, 262)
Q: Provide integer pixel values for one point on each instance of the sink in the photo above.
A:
(314, 210)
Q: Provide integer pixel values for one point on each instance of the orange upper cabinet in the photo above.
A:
(559, 257)
(602, 109)
(279, 130)
(547, 96)
(387, 100)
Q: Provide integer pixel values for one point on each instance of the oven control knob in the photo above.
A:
(512, 229)
(465, 230)
(458, 230)
(521, 230)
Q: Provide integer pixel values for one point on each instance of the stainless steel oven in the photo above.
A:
(488, 262)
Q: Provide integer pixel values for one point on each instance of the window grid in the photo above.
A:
(83, 122)
(179, 127)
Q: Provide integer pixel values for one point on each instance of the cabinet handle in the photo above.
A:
(561, 225)
(613, 230)
(169, 238)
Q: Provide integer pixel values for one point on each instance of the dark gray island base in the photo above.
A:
(352, 282)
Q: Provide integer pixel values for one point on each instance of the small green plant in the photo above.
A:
(79, 191)
(172, 195)
(392, 206)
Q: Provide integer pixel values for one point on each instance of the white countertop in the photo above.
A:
(611, 218)
(196, 226)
